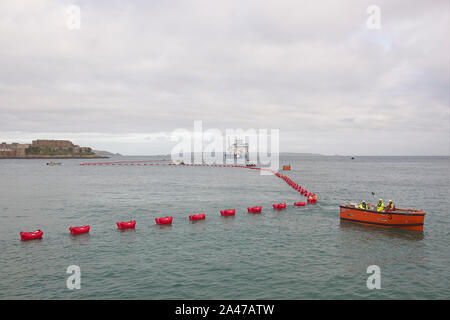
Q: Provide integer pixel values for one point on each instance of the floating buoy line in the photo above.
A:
(123, 225)
(128, 163)
(312, 197)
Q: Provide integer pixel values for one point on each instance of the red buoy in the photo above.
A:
(164, 220)
(279, 206)
(228, 212)
(79, 230)
(24, 236)
(311, 199)
(299, 204)
(194, 217)
(126, 225)
(254, 209)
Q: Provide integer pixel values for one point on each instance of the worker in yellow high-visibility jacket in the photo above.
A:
(363, 205)
(380, 205)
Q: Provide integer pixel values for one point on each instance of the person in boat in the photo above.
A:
(390, 207)
(380, 205)
(363, 205)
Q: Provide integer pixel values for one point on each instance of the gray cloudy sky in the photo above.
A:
(136, 70)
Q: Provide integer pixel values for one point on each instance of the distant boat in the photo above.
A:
(54, 163)
(352, 158)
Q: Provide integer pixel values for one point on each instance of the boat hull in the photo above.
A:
(400, 218)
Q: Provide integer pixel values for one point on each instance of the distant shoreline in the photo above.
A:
(308, 155)
(55, 157)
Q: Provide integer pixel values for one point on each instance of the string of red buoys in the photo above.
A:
(125, 163)
(123, 225)
(311, 197)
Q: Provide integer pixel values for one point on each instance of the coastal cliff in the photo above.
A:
(46, 149)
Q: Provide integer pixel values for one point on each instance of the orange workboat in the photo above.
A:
(407, 219)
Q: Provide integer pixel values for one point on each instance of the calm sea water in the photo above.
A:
(297, 253)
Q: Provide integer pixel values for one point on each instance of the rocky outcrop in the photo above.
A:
(45, 149)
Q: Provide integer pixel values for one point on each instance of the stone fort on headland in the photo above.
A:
(45, 149)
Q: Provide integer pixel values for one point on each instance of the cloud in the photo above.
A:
(313, 71)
